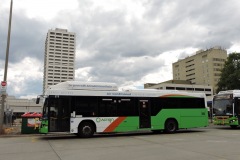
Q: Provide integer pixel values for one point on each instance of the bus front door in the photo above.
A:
(59, 117)
(144, 114)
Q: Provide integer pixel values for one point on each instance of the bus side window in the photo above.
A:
(85, 106)
(127, 107)
(107, 107)
(156, 106)
(237, 106)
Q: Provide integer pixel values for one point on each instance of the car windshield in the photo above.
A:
(222, 107)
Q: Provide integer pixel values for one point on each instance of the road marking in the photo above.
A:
(33, 140)
(215, 141)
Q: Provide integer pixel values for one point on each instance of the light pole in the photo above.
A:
(4, 94)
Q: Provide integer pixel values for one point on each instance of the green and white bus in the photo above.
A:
(226, 108)
(94, 107)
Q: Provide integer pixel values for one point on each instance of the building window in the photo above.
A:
(170, 88)
(190, 61)
(190, 70)
(189, 65)
(190, 74)
(180, 88)
(199, 89)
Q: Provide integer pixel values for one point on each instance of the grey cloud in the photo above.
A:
(28, 87)
(216, 17)
(27, 37)
(120, 70)
(108, 36)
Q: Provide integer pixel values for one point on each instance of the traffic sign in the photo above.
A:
(3, 83)
(3, 87)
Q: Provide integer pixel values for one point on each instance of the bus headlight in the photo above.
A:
(233, 120)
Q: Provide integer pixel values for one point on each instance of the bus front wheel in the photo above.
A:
(171, 126)
(86, 130)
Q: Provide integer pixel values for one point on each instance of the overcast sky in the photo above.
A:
(129, 42)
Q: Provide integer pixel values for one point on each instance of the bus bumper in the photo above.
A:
(220, 120)
(225, 120)
(233, 121)
(44, 127)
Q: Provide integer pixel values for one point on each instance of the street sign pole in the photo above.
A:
(4, 94)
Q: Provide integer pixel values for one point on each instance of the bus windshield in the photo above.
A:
(45, 110)
(222, 107)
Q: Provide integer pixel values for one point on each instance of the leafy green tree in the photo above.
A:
(230, 77)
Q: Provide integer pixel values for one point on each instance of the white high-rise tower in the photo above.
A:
(59, 57)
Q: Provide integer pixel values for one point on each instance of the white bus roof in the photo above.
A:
(73, 88)
(229, 91)
(235, 92)
(77, 85)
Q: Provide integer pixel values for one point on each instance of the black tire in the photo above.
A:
(233, 126)
(171, 126)
(86, 130)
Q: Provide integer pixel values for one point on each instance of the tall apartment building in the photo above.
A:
(59, 57)
(203, 68)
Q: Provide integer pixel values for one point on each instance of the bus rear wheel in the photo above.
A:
(86, 130)
(170, 126)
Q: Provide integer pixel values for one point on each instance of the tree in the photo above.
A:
(230, 76)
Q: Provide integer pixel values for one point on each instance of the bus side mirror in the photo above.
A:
(38, 99)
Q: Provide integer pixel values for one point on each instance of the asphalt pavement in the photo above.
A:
(211, 143)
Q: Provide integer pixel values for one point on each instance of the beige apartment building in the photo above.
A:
(59, 57)
(202, 68)
(180, 85)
